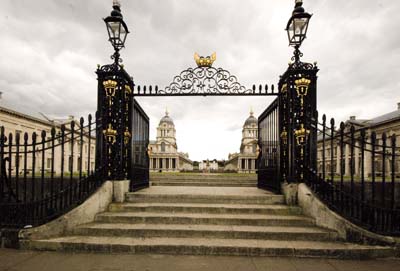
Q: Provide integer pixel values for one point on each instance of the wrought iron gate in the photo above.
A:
(139, 159)
(269, 154)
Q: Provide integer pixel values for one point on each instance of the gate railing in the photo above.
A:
(269, 153)
(357, 176)
(138, 169)
(43, 176)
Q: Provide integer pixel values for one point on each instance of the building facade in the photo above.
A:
(163, 152)
(388, 123)
(209, 165)
(15, 122)
(245, 161)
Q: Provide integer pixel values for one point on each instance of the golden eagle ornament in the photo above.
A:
(205, 61)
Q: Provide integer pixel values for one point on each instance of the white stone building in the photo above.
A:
(208, 166)
(15, 122)
(388, 123)
(245, 161)
(163, 152)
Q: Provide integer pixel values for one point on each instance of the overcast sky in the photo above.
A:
(50, 49)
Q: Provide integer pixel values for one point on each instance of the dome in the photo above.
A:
(251, 120)
(166, 119)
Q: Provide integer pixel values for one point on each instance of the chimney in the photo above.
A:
(352, 117)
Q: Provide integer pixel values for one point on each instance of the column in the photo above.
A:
(367, 162)
(347, 160)
(357, 160)
(338, 160)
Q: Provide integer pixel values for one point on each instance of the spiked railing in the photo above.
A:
(44, 176)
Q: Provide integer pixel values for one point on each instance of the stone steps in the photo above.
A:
(210, 246)
(199, 218)
(204, 180)
(192, 220)
(206, 231)
(205, 208)
(205, 183)
(204, 198)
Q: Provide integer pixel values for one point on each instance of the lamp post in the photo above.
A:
(117, 30)
(297, 27)
(114, 104)
(298, 104)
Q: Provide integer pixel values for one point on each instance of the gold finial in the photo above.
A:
(205, 61)
(251, 111)
(166, 111)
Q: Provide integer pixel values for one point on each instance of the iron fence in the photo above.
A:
(43, 176)
(358, 176)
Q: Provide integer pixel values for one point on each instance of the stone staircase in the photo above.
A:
(205, 220)
(210, 179)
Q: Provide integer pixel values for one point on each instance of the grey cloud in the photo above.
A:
(50, 50)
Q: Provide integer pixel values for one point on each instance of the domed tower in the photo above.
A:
(166, 134)
(163, 152)
(249, 134)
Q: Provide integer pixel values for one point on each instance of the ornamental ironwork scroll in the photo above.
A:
(205, 80)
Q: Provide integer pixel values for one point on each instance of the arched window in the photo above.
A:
(162, 147)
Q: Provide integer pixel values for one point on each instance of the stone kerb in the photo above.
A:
(84, 213)
(324, 217)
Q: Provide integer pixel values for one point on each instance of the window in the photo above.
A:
(162, 147)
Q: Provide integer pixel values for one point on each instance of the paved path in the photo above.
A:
(13, 260)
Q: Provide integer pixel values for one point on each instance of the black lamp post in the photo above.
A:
(117, 30)
(297, 27)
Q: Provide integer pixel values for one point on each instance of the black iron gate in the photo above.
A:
(269, 154)
(139, 159)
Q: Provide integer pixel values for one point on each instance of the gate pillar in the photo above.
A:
(298, 120)
(114, 117)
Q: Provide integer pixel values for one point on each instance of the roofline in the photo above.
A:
(28, 117)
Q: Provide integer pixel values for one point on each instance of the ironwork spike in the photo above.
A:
(53, 131)
(81, 122)
(266, 88)
(272, 88)
(43, 134)
(332, 121)
(150, 88)
(260, 88)
(144, 89)
(156, 88)
(254, 87)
